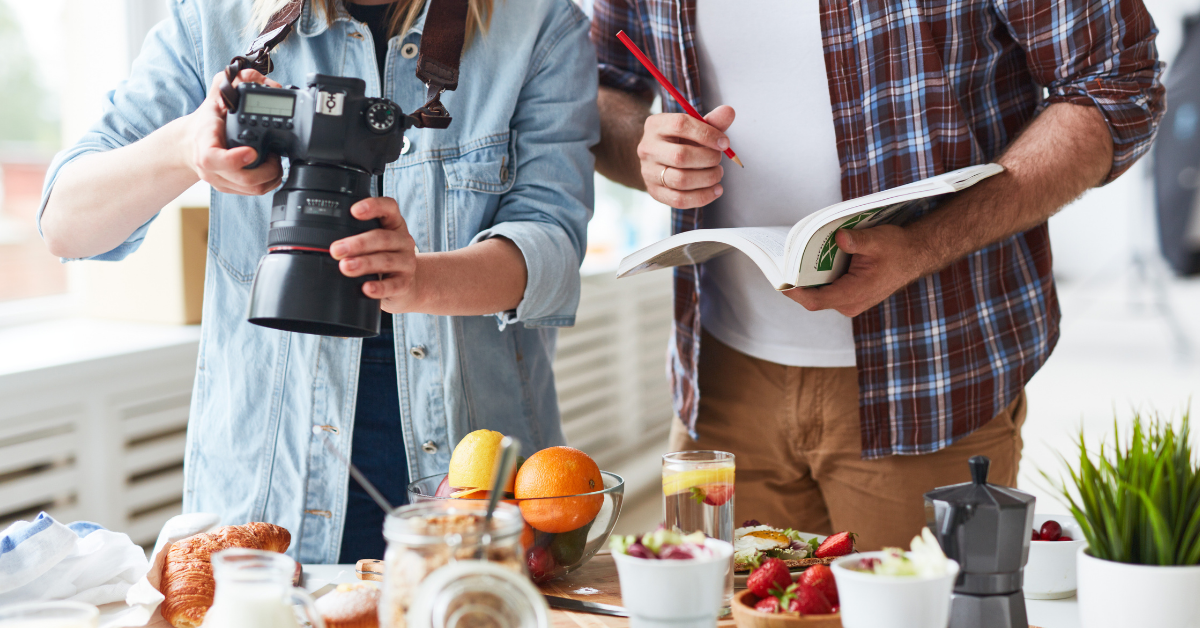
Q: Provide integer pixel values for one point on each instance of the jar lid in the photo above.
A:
(478, 594)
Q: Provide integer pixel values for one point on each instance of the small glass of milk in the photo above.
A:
(254, 590)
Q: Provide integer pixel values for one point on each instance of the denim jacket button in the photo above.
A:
(418, 352)
(408, 51)
(407, 145)
(429, 447)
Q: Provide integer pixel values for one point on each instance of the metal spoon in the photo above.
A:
(505, 462)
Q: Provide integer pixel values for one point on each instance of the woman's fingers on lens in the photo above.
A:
(373, 241)
(381, 207)
(377, 263)
(389, 287)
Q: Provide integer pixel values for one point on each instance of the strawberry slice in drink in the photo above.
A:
(712, 494)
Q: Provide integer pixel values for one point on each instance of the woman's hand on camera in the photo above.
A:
(389, 251)
(681, 157)
(204, 147)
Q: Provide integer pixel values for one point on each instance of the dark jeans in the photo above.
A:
(377, 450)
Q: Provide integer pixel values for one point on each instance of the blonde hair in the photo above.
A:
(404, 14)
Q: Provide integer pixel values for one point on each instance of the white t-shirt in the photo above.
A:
(764, 58)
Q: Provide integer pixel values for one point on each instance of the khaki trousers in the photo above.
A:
(796, 437)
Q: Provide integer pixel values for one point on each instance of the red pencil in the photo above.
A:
(662, 80)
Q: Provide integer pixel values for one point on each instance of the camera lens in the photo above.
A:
(298, 286)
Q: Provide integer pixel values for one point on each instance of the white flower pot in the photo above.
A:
(1120, 595)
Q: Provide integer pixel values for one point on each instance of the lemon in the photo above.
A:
(684, 480)
(474, 461)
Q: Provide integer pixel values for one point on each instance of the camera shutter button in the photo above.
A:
(408, 50)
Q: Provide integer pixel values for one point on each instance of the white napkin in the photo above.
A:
(144, 597)
(46, 560)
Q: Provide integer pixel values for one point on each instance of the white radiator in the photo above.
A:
(102, 439)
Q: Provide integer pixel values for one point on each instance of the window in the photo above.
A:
(29, 137)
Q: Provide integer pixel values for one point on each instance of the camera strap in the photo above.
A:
(437, 66)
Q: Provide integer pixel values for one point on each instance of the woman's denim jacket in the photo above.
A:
(514, 163)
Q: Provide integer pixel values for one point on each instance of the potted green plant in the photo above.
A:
(1137, 501)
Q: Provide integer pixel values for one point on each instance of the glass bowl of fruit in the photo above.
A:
(569, 505)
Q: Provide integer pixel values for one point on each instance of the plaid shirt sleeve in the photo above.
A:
(618, 67)
(1096, 52)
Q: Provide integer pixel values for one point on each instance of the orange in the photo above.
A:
(559, 472)
(474, 461)
(527, 538)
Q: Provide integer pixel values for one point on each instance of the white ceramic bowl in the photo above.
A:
(1050, 572)
(871, 601)
(675, 593)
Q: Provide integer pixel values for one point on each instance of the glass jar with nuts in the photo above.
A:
(424, 536)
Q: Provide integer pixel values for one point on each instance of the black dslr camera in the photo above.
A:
(336, 139)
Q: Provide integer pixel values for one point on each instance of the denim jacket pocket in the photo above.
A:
(237, 233)
(485, 165)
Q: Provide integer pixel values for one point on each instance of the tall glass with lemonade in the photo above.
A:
(698, 497)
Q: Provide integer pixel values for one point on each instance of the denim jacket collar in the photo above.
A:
(312, 21)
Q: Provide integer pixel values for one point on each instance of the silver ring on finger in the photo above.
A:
(662, 176)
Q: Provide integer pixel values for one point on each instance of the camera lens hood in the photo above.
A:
(307, 293)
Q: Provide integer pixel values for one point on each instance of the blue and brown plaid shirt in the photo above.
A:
(918, 88)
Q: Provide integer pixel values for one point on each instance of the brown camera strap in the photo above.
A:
(437, 66)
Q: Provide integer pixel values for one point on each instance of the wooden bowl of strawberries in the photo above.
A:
(773, 600)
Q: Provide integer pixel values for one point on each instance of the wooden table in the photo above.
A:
(600, 575)
(596, 581)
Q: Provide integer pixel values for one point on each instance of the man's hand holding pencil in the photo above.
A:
(681, 152)
(681, 157)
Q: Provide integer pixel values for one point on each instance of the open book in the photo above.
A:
(804, 254)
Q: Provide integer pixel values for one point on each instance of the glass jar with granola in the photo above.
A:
(424, 536)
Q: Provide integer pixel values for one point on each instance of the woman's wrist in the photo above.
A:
(178, 136)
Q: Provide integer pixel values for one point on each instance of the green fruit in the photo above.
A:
(567, 547)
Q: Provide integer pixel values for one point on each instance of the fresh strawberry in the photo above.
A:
(772, 574)
(768, 604)
(808, 600)
(1035, 536)
(712, 494)
(839, 544)
(1065, 538)
(821, 578)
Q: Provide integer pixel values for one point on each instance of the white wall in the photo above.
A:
(1098, 233)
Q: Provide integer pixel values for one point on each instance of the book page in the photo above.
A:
(764, 245)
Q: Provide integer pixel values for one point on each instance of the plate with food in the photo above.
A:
(755, 542)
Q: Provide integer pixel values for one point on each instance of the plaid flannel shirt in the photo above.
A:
(918, 88)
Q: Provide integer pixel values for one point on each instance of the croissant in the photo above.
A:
(187, 577)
